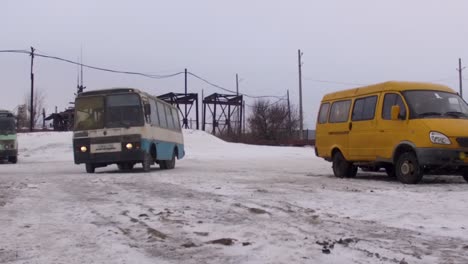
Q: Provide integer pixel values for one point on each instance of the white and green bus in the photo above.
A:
(125, 126)
(8, 140)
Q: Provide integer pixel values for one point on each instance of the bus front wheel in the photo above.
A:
(13, 159)
(90, 168)
(146, 163)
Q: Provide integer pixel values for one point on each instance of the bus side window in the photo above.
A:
(175, 115)
(154, 113)
(170, 120)
(162, 115)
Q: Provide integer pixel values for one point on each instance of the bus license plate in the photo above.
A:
(109, 147)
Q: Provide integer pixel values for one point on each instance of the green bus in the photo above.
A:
(8, 141)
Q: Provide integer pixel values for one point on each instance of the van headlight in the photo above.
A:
(439, 138)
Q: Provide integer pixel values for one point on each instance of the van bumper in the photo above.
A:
(442, 157)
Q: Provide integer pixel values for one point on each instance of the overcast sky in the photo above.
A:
(351, 42)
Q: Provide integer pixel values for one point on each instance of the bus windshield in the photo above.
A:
(7, 126)
(426, 103)
(111, 111)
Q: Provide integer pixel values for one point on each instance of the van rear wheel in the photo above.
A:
(390, 170)
(343, 168)
(465, 174)
(407, 168)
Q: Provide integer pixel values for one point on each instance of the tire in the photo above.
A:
(465, 176)
(407, 169)
(13, 159)
(171, 163)
(90, 168)
(168, 164)
(343, 168)
(390, 170)
(146, 163)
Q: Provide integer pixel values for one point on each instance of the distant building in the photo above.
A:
(62, 121)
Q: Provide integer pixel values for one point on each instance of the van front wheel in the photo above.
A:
(343, 168)
(407, 168)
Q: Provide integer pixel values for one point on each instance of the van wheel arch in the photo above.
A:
(402, 148)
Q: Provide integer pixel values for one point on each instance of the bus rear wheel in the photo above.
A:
(13, 159)
(168, 164)
(90, 168)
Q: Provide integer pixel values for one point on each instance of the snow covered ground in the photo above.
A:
(224, 203)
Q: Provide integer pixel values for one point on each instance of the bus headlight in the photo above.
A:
(439, 138)
(129, 146)
(84, 149)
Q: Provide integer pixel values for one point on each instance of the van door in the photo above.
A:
(362, 133)
(390, 132)
(338, 126)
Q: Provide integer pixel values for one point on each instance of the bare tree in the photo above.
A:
(272, 121)
(38, 101)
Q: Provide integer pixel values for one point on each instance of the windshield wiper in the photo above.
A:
(455, 114)
(429, 114)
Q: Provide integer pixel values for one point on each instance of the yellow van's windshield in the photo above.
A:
(427, 103)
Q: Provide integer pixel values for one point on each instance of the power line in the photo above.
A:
(270, 104)
(15, 51)
(334, 82)
(153, 76)
(234, 92)
(444, 79)
(109, 70)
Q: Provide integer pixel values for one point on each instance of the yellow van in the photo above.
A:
(407, 128)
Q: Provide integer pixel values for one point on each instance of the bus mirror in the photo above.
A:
(147, 109)
(395, 112)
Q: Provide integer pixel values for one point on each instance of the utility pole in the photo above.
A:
(239, 113)
(237, 84)
(301, 120)
(289, 114)
(185, 116)
(31, 111)
(243, 112)
(460, 69)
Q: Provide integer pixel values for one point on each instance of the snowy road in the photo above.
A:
(224, 203)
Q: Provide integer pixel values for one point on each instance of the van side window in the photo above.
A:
(364, 108)
(390, 100)
(323, 114)
(340, 111)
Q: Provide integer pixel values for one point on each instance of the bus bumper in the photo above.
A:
(134, 156)
(8, 153)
